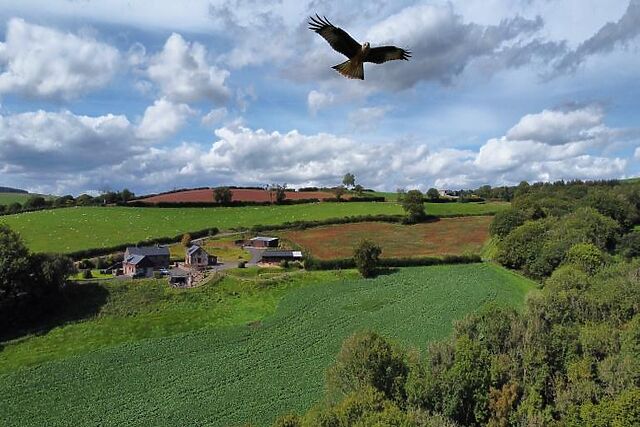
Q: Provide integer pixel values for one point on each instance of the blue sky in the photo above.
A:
(155, 95)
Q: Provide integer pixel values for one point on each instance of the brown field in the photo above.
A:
(447, 236)
(239, 195)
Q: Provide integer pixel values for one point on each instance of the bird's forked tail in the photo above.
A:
(350, 69)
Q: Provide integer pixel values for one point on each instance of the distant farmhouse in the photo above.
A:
(264, 242)
(196, 257)
(275, 257)
(142, 261)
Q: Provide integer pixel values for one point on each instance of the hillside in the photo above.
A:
(273, 358)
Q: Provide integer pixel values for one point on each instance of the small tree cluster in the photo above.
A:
(222, 195)
(367, 258)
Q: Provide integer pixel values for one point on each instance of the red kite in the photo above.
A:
(358, 54)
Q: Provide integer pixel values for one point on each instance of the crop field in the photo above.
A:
(447, 236)
(239, 195)
(270, 358)
(72, 229)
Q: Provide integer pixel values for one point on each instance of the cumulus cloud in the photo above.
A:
(163, 119)
(366, 118)
(184, 74)
(610, 36)
(317, 101)
(637, 153)
(42, 62)
(558, 127)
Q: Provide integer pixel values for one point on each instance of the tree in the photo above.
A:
(359, 189)
(366, 359)
(222, 195)
(433, 194)
(586, 256)
(279, 191)
(413, 204)
(505, 222)
(14, 263)
(349, 180)
(367, 257)
(186, 240)
(126, 195)
(36, 202)
(630, 245)
(401, 194)
(340, 190)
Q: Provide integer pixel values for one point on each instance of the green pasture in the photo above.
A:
(241, 351)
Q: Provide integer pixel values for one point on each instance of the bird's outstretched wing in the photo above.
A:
(337, 37)
(381, 54)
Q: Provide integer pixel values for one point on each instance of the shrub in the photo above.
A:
(366, 257)
(505, 222)
(413, 205)
(86, 274)
(242, 264)
(587, 256)
(630, 245)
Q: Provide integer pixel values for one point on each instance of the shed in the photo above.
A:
(264, 242)
(179, 277)
(275, 257)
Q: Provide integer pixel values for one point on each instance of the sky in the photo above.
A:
(155, 95)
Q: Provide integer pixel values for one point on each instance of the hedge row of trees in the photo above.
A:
(571, 358)
(38, 202)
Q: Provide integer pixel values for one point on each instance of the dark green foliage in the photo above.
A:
(506, 221)
(413, 205)
(366, 257)
(14, 263)
(433, 194)
(222, 195)
(368, 360)
(630, 245)
(349, 180)
(587, 256)
(86, 274)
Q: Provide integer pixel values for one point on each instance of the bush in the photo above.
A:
(86, 274)
(630, 245)
(368, 360)
(413, 204)
(366, 257)
(505, 222)
(587, 256)
(284, 263)
(242, 264)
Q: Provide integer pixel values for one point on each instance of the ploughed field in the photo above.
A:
(243, 350)
(445, 236)
(239, 195)
(77, 228)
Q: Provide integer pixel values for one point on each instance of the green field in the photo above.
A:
(72, 229)
(244, 350)
(8, 198)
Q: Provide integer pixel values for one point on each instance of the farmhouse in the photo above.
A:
(143, 260)
(275, 257)
(196, 257)
(264, 242)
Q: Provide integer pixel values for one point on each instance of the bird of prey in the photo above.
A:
(357, 54)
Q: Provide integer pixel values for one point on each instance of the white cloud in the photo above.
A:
(214, 116)
(366, 118)
(317, 101)
(184, 74)
(637, 153)
(163, 119)
(558, 127)
(42, 62)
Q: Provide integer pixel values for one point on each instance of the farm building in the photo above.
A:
(137, 266)
(197, 257)
(180, 278)
(275, 257)
(158, 255)
(264, 242)
(143, 260)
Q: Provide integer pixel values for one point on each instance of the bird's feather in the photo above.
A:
(337, 37)
(381, 54)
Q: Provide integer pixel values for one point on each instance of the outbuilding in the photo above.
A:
(158, 256)
(180, 278)
(264, 242)
(137, 266)
(275, 257)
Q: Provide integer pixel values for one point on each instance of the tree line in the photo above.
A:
(570, 358)
(39, 202)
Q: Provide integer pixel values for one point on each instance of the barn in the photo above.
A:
(158, 256)
(275, 257)
(264, 242)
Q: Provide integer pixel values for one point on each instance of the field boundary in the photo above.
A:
(311, 263)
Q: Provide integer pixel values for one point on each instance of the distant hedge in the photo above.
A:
(345, 263)
(141, 204)
(355, 199)
(88, 253)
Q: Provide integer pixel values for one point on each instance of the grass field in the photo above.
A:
(73, 229)
(448, 236)
(222, 247)
(253, 350)
(8, 198)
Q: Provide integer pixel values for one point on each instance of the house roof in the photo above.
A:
(193, 249)
(138, 260)
(282, 254)
(178, 272)
(148, 250)
(264, 239)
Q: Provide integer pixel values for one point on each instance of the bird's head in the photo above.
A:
(365, 46)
